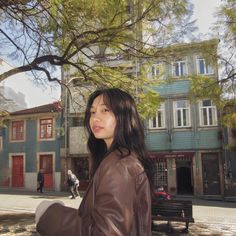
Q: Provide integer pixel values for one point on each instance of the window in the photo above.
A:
(203, 68)
(46, 128)
(159, 120)
(17, 130)
(181, 113)
(157, 71)
(160, 174)
(208, 116)
(179, 68)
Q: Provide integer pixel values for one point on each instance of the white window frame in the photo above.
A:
(179, 63)
(209, 110)
(161, 111)
(208, 69)
(157, 71)
(181, 109)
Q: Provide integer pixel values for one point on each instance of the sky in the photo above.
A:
(35, 95)
(38, 95)
(204, 13)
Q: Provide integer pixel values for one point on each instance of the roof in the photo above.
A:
(52, 107)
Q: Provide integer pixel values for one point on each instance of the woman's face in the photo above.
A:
(102, 121)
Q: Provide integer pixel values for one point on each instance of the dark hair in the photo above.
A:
(129, 131)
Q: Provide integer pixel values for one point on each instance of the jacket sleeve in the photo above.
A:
(113, 212)
(59, 220)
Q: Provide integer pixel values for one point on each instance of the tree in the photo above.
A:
(85, 35)
(226, 28)
(4, 115)
(223, 90)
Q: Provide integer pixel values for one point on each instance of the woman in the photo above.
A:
(118, 198)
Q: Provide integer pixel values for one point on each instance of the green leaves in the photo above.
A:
(229, 120)
(86, 38)
(203, 87)
(149, 101)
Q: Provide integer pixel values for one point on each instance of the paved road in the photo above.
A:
(17, 214)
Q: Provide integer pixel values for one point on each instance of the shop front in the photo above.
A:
(174, 172)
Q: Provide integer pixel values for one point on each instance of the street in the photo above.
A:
(17, 214)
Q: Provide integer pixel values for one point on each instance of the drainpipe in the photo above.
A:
(169, 124)
(223, 155)
(66, 130)
(64, 77)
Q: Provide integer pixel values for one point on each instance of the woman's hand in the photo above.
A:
(43, 206)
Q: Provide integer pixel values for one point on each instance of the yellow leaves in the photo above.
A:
(109, 77)
(4, 115)
(229, 13)
(229, 120)
(205, 87)
(149, 101)
(146, 98)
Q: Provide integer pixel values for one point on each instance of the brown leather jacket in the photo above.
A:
(117, 203)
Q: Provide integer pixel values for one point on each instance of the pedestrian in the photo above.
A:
(73, 184)
(118, 198)
(40, 181)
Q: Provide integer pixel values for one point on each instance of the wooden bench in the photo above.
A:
(173, 210)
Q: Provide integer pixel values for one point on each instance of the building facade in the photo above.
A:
(73, 152)
(30, 141)
(184, 138)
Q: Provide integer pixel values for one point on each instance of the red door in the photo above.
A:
(17, 171)
(45, 163)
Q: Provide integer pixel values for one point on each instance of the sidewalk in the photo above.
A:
(26, 201)
(17, 209)
(17, 214)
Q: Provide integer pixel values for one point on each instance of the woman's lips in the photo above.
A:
(96, 129)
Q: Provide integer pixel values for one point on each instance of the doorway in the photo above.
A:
(184, 177)
(81, 167)
(46, 163)
(17, 171)
(211, 174)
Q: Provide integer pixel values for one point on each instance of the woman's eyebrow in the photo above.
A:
(103, 104)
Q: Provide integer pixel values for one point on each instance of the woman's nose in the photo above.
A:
(96, 116)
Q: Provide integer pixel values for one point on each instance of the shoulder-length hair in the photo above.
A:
(129, 131)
